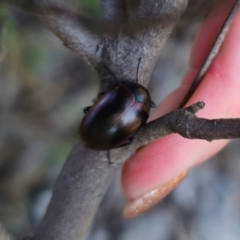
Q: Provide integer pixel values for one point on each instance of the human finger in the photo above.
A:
(163, 160)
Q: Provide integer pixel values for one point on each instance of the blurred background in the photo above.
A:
(43, 89)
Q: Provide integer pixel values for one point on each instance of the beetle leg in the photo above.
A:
(109, 158)
(129, 141)
(101, 94)
(86, 109)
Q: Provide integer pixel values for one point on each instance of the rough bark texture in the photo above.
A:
(86, 174)
(76, 197)
(115, 11)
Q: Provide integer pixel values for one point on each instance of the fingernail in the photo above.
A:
(140, 205)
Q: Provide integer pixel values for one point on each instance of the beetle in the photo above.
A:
(115, 116)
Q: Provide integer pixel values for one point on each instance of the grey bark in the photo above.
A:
(71, 28)
(115, 10)
(86, 174)
(76, 196)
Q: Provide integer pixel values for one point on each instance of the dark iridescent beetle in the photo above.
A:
(115, 116)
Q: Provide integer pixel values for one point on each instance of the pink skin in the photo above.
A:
(157, 163)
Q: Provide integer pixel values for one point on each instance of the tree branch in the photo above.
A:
(154, 24)
(142, 38)
(115, 10)
(67, 25)
(160, 10)
(78, 191)
(119, 49)
(86, 174)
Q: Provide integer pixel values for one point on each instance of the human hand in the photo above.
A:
(157, 168)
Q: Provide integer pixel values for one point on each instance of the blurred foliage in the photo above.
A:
(3, 19)
(92, 6)
(57, 155)
(2, 11)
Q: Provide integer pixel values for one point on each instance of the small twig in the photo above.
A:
(67, 25)
(214, 51)
(184, 122)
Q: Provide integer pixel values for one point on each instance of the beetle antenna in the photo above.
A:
(139, 61)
